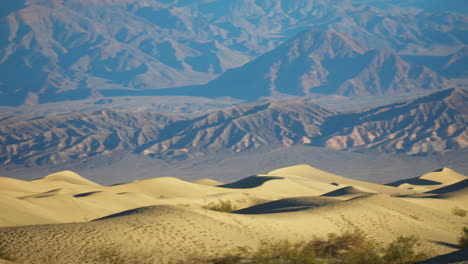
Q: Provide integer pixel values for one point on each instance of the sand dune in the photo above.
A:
(156, 220)
(311, 173)
(430, 181)
(208, 182)
(289, 205)
(345, 193)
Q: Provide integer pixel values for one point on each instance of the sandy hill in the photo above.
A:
(156, 220)
(430, 181)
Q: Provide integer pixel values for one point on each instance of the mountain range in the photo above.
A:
(77, 49)
(432, 124)
(323, 62)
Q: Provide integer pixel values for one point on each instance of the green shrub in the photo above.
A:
(404, 251)
(459, 212)
(221, 206)
(463, 239)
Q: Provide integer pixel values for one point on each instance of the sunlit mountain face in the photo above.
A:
(74, 49)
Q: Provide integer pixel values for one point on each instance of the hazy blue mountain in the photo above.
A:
(426, 5)
(57, 50)
(323, 62)
(454, 65)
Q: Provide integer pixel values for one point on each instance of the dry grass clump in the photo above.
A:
(404, 251)
(459, 212)
(221, 206)
(463, 238)
(7, 255)
(351, 247)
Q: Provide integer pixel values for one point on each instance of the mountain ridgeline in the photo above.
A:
(76, 49)
(432, 124)
(323, 62)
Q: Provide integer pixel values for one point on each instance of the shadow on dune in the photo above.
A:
(344, 191)
(125, 213)
(289, 205)
(85, 194)
(451, 188)
(413, 181)
(249, 182)
(460, 257)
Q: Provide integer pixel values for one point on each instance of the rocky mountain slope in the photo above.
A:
(435, 123)
(242, 128)
(55, 139)
(72, 49)
(450, 66)
(432, 123)
(323, 62)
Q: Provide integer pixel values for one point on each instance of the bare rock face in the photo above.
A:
(324, 62)
(242, 128)
(435, 123)
(57, 139)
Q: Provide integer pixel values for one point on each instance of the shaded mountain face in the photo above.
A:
(426, 5)
(434, 123)
(242, 128)
(456, 65)
(451, 66)
(60, 50)
(323, 62)
(431, 124)
(57, 139)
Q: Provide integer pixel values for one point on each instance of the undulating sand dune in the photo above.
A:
(162, 219)
(430, 181)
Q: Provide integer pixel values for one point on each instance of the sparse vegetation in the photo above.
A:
(463, 238)
(6, 255)
(404, 251)
(459, 212)
(221, 206)
(284, 252)
(107, 256)
(351, 247)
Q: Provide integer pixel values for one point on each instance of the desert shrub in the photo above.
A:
(404, 251)
(279, 252)
(459, 212)
(284, 252)
(336, 245)
(371, 253)
(463, 238)
(108, 256)
(350, 247)
(221, 206)
(7, 255)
